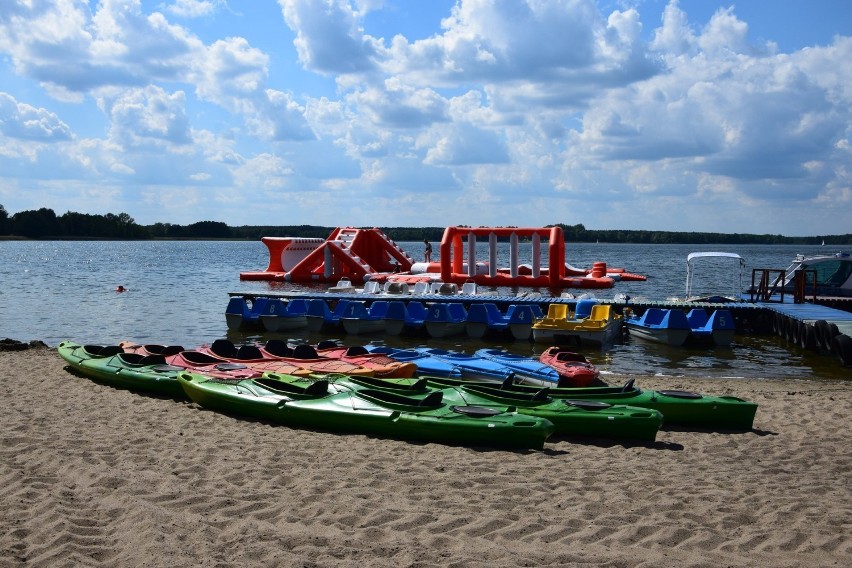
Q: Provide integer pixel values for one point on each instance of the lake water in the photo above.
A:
(177, 293)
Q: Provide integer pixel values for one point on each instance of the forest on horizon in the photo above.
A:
(44, 224)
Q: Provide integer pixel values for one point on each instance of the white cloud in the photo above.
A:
(463, 144)
(193, 8)
(22, 121)
(328, 36)
(142, 117)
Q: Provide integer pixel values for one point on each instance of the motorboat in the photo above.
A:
(833, 273)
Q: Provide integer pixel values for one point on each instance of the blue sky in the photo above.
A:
(689, 115)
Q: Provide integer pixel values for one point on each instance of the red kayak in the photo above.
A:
(383, 366)
(211, 365)
(572, 367)
(302, 356)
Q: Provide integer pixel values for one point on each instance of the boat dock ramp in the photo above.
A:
(813, 326)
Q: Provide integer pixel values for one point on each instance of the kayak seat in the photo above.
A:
(278, 348)
(152, 360)
(357, 350)
(199, 358)
(170, 350)
(541, 394)
(246, 352)
(139, 359)
(305, 351)
(131, 358)
(317, 388)
(432, 399)
(325, 344)
(224, 348)
(103, 351)
(569, 356)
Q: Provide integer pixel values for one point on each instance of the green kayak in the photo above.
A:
(321, 405)
(111, 365)
(569, 417)
(678, 407)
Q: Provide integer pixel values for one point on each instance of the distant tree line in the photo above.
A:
(45, 224)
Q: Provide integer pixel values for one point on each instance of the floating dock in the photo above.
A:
(812, 326)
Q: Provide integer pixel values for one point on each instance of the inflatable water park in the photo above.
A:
(363, 255)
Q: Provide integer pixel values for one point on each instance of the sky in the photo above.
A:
(689, 115)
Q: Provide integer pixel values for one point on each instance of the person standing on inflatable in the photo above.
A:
(428, 252)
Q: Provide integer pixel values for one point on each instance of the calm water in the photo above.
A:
(177, 293)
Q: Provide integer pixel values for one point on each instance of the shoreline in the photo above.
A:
(100, 476)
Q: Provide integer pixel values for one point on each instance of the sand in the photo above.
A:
(97, 476)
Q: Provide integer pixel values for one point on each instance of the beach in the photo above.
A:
(97, 476)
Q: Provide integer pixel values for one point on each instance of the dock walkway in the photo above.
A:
(812, 326)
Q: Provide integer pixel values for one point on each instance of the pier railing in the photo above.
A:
(768, 285)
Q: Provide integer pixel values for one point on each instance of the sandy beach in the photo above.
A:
(96, 476)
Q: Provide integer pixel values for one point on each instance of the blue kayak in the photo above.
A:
(472, 367)
(426, 364)
(527, 369)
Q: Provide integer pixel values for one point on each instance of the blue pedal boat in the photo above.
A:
(244, 313)
(322, 318)
(403, 318)
(279, 315)
(666, 326)
(718, 328)
(446, 319)
(359, 319)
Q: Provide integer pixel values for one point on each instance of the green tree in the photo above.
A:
(36, 224)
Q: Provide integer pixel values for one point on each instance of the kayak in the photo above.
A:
(426, 364)
(574, 369)
(150, 348)
(529, 370)
(569, 417)
(382, 365)
(205, 363)
(322, 406)
(682, 408)
(471, 366)
(277, 353)
(132, 371)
